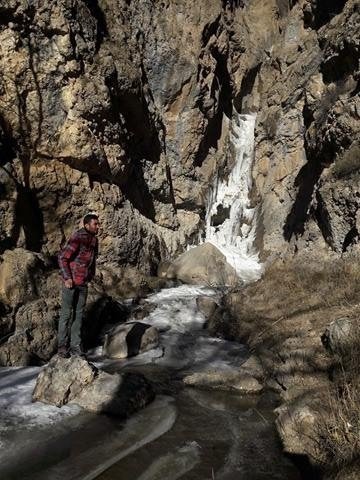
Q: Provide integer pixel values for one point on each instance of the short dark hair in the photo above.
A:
(90, 216)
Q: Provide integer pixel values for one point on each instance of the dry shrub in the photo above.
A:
(349, 162)
(317, 282)
(273, 306)
(339, 428)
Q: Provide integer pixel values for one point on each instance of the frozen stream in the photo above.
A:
(185, 433)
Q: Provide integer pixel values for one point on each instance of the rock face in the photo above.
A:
(130, 339)
(74, 380)
(124, 108)
(18, 268)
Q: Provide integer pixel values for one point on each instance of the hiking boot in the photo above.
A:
(63, 351)
(76, 351)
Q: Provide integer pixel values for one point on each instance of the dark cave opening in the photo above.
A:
(214, 127)
(341, 65)
(350, 239)
(322, 12)
(247, 85)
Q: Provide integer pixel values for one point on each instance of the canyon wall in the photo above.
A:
(123, 108)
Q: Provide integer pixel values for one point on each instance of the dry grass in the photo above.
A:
(321, 283)
(293, 288)
(339, 429)
(283, 315)
(349, 162)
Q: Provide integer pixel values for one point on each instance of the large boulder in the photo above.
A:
(296, 424)
(74, 380)
(34, 340)
(130, 339)
(202, 265)
(102, 313)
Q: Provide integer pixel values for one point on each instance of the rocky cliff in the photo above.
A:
(124, 107)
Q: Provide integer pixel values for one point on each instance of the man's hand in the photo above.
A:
(69, 283)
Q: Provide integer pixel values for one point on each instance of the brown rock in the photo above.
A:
(35, 337)
(204, 265)
(74, 380)
(17, 271)
(223, 380)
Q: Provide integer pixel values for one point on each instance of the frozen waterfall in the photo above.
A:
(230, 218)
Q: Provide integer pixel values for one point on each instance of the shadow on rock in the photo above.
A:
(74, 380)
(101, 316)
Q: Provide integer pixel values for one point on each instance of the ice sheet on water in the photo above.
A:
(16, 407)
(174, 464)
(183, 342)
(176, 308)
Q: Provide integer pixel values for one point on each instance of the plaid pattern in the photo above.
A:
(77, 258)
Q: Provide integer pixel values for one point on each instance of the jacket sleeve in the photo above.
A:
(96, 253)
(66, 254)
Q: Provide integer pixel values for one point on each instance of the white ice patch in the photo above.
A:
(177, 309)
(16, 407)
(230, 218)
(174, 464)
(184, 343)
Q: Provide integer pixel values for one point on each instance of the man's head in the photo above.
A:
(91, 223)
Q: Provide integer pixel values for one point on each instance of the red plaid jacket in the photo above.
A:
(77, 258)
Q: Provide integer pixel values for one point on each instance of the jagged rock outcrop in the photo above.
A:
(123, 109)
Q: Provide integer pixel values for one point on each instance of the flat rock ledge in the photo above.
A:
(224, 381)
(74, 380)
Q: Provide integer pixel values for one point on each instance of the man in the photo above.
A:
(77, 265)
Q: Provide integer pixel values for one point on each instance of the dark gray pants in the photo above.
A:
(73, 301)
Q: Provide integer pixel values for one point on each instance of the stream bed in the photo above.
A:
(185, 433)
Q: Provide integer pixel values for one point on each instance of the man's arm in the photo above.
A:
(66, 254)
(93, 265)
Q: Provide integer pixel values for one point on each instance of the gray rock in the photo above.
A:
(63, 379)
(296, 423)
(130, 339)
(206, 305)
(223, 380)
(117, 394)
(337, 337)
(74, 380)
(143, 310)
